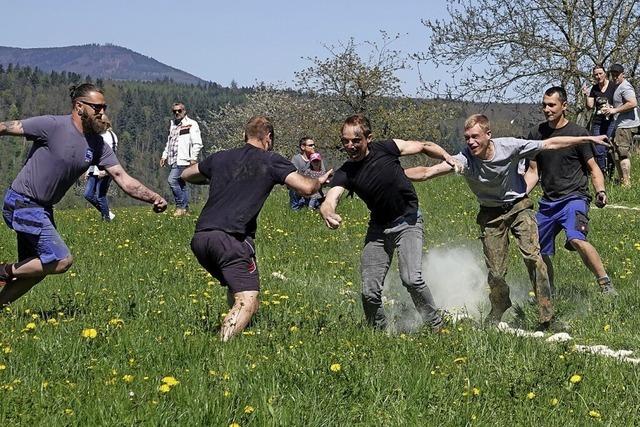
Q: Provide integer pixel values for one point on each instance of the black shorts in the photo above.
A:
(228, 258)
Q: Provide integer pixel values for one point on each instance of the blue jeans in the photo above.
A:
(605, 127)
(380, 244)
(179, 186)
(96, 194)
(296, 201)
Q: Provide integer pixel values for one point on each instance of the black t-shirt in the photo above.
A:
(563, 172)
(601, 99)
(241, 180)
(380, 182)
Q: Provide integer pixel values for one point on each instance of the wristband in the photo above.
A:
(601, 191)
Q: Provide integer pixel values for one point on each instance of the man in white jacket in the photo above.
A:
(183, 146)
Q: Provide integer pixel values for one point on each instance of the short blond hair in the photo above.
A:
(478, 119)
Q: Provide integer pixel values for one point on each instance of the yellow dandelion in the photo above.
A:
(553, 402)
(68, 411)
(164, 388)
(226, 393)
(3, 367)
(170, 381)
(116, 322)
(293, 328)
(475, 391)
(594, 414)
(234, 425)
(335, 367)
(607, 328)
(89, 333)
(128, 379)
(30, 326)
(249, 409)
(531, 395)
(575, 379)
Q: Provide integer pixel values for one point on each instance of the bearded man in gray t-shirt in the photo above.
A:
(63, 149)
(490, 167)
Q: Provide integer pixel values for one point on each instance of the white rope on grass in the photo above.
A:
(630, 208)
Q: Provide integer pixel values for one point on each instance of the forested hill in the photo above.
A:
(140, 112)
(99, 61)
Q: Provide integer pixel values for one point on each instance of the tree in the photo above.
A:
(513, 50)
(352, 79)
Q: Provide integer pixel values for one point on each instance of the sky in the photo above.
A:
(220, 41)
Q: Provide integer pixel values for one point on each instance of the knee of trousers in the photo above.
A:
(372, 294)
(412, 280)
(496, 280)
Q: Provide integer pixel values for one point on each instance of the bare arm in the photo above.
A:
(423, 173)
(304, 185)
(12, 128)
(429, 148)
(135, 188)
(531, 176)
(597, 179)
(559, 142)
(328, 207)
(192, 174)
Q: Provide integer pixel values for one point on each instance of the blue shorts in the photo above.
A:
(570, 215)
(35, 227)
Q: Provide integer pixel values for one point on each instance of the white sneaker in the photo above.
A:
(111, 216)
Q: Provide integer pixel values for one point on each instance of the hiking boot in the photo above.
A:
(554, 325)
(445, 319)
(495, 315)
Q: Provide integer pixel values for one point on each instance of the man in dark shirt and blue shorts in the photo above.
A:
(63, 149)
(374, 173)
(241, 180)
(564, 177)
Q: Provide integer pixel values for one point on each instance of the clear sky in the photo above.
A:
(241, 40)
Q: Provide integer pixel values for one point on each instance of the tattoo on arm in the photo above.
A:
(140, 192)
(13, 127)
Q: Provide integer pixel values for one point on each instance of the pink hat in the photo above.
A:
(315, 156)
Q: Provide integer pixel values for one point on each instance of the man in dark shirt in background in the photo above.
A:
(374, 173)
(564, 176)
(241, 180)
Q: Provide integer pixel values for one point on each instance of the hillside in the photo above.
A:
(99, 61)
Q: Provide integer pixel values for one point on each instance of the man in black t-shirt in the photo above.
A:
(241, 180)
(564, 180)
(374, 173)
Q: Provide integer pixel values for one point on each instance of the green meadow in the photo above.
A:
(129, 335)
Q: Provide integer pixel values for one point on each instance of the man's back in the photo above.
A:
(241, 180)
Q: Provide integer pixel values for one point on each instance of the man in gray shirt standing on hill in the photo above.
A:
(490, 167)
(625, 111)
(300, 160)
(63, 149)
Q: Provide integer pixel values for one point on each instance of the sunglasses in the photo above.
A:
(311, 145)
(96, 107)
(177, 111)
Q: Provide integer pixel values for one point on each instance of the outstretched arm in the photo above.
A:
(304, 185)
(193, 175)
(135, 188)
(328, 207)
(559, 142)
(429, 148)
(12, 128)
(531, 176)
(423, 173)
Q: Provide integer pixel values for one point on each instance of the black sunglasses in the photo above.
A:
(96, 107)
(177, 111)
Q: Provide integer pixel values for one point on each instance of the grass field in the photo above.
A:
(128, 335)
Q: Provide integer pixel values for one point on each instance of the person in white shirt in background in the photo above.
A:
(183, 146)
(98, 181)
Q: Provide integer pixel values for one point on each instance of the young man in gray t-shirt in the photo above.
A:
(63, 149)
(490, 167)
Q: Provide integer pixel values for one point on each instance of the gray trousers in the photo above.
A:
(380, 243)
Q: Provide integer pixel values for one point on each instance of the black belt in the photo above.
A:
(505, 207)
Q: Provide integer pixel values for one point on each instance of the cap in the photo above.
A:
(616, 68)
(315, 156)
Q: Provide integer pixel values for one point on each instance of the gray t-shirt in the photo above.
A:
(497, 181)
(627, 119)
(300, 162)
(60, 154)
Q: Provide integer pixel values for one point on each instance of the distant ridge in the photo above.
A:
(99, 61)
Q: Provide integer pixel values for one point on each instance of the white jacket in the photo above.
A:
(189, 142)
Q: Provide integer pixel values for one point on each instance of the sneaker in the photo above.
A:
(111, 216)
(445, 319)
(606, 287)
(554, 325)
(180, 212)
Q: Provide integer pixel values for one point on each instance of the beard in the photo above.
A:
(97, 123)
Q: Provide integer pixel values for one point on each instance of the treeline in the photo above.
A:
(140, 112)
